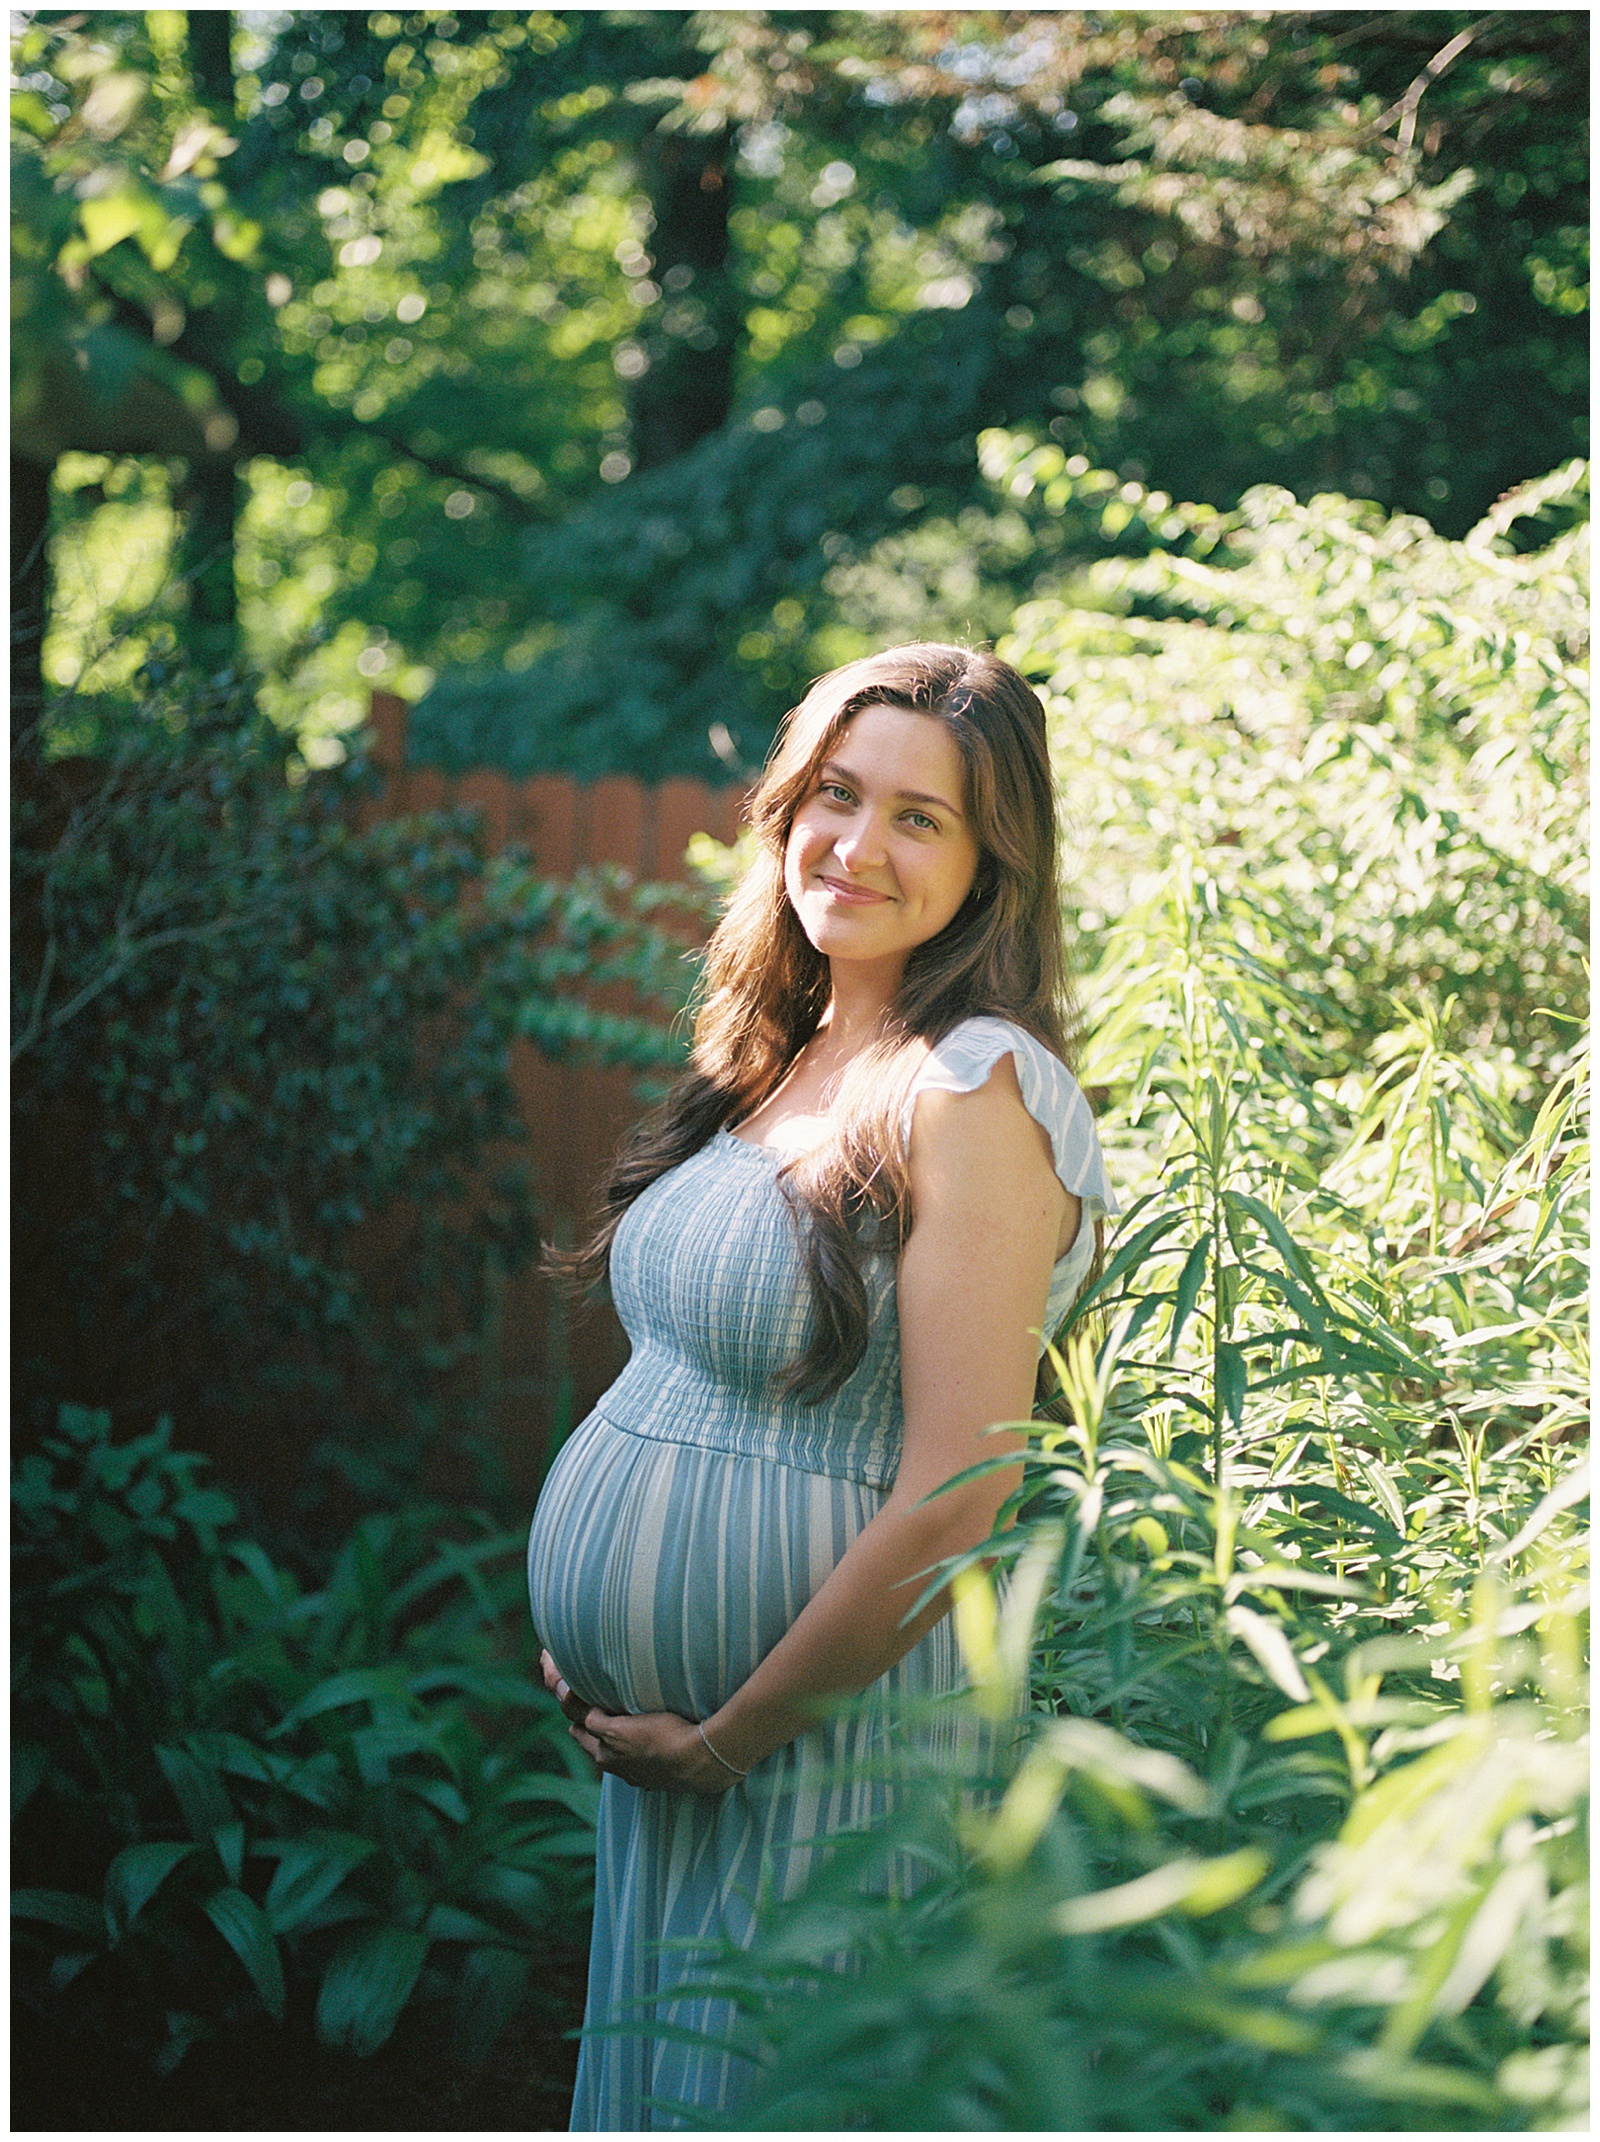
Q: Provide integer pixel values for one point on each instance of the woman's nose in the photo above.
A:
(861, 845)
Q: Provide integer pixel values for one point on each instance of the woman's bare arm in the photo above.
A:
(990, 1215)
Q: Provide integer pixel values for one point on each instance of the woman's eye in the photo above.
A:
(923, 822)
(834, 793)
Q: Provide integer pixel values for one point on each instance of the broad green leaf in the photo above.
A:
(309, 1870)
(367, 1983)
(108, 218)
(199, 1792)
(136, 1874)
(228, 1839)
(358, 1684)
(243, 1926)
(492, 1987)
(581, 1795)
(61, 1907)
(29, 1766)
(448, 1922)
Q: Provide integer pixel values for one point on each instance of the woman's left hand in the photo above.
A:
(656, 1750)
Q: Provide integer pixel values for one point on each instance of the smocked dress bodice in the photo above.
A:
(709, 1282)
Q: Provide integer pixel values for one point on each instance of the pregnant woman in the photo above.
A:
(835, 1249)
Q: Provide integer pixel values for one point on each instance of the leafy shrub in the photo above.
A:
(235, 1794)
(268, 1146)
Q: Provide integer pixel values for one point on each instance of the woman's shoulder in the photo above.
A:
(961, 1061)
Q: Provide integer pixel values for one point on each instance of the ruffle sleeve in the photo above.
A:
(962, 1062)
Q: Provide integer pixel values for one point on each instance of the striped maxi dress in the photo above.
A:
(682, 1528)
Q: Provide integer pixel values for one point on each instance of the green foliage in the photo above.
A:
(434, 271)
(1369, 738)
(268, 1148)
(112, 186)
(1294, 1602)
(233, 1793)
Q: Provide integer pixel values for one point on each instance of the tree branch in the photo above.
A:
(1406, 109)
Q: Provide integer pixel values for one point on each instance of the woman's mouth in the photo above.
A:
(851, 895)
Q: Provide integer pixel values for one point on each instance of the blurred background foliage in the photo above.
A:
(614, 372)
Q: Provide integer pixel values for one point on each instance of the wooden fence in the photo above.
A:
(543, 1360)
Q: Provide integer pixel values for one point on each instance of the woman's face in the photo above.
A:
(880, 855)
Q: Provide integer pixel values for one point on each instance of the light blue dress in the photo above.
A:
(683, 1527)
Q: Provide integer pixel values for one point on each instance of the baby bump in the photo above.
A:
(660, 1574)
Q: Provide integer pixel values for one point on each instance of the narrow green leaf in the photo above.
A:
(1127, 1259)
(1232, 1380)
(1190, 1280)
(1293, 1255)
(1327, 1498)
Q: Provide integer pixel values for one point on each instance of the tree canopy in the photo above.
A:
(619, 369)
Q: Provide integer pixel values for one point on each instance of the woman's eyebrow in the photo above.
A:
(903, 795)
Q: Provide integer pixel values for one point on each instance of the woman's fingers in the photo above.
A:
(573, 1707)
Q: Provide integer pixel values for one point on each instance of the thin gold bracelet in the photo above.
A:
(732, 1769)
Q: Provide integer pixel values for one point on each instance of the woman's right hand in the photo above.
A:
(659, 1752)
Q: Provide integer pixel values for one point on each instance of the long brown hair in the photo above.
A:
(766, 986)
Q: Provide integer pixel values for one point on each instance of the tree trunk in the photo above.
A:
(208, 498)
(210, 34)
(30, 598)
(689, 333)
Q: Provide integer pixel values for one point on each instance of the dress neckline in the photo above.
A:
(770, 1153)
